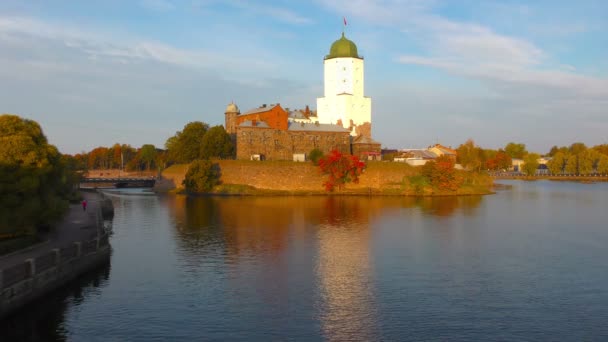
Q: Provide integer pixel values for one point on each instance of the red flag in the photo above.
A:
(344, 20)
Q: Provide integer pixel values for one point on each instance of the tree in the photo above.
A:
(500, 161)
(341, 169)
(586, 161)
(603, 149)
(202, 176)
(34, 179)
(571, 164)
(469, 155)
(530, 164)
(314, 155)
(516, 150)
(577, 148)
(441, 174)
(217, 143)
(147, 155)
(185, 145)
(554, 150)
(557, 163)
(602, 164)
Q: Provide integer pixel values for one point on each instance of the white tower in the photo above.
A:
(344, 101)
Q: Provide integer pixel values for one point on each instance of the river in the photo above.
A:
(528, 263)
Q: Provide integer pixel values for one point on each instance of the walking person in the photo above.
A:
(84, 205)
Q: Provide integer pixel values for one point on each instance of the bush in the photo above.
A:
(202, 176)
(441, 174)
(341, 169)
(315, 155)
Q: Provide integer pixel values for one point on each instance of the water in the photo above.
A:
(529, 263)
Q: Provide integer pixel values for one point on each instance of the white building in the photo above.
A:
(344, 101)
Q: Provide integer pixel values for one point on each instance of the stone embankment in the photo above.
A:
(78, 244)
(378, 178)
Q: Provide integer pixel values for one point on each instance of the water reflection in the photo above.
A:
(45, 320)
(346, 303)
(276, 244)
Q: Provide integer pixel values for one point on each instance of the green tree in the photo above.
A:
(148, 155)
(516, 150)
(185, 145)
(530, 164)
(315, 155)
(217, 143)
(469, 155)
(202, 176)
(557, 163)
(34, 179)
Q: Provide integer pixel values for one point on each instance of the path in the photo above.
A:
(76, 225)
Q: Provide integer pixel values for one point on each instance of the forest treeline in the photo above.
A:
(196, 141)
(576, 159)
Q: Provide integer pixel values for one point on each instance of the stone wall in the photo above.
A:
(23, 282)
(276, 144)
(293, 176)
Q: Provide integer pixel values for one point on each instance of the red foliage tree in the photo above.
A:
(441, 174)
(341, 169)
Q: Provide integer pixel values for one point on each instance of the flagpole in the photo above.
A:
(344, 25)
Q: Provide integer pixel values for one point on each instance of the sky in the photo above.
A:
(94, 73)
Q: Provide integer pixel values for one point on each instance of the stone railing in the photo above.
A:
(55, 261)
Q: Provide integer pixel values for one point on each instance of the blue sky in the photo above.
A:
(93, 73)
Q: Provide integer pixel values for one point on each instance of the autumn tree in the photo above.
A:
(341, 169)
(500, 161)
(557, 163)
(441, 174)
(586, 161)
(530, 164)
(216, 143)
(602, 164)
(603, 149)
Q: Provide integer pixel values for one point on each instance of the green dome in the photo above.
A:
(342, 48)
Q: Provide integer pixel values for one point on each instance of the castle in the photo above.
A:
(342, 120)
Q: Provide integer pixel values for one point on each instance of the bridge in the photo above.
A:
(120, 182)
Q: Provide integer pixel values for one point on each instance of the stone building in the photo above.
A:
(267, 133)
(342, 120)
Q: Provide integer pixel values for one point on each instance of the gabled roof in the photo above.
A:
(260, 109)
(444, 150)
(249, 123)
(361, 139)
(315, 127)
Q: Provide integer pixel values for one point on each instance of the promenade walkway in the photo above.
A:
(76, 225)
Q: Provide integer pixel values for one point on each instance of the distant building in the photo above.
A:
(440, 150)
